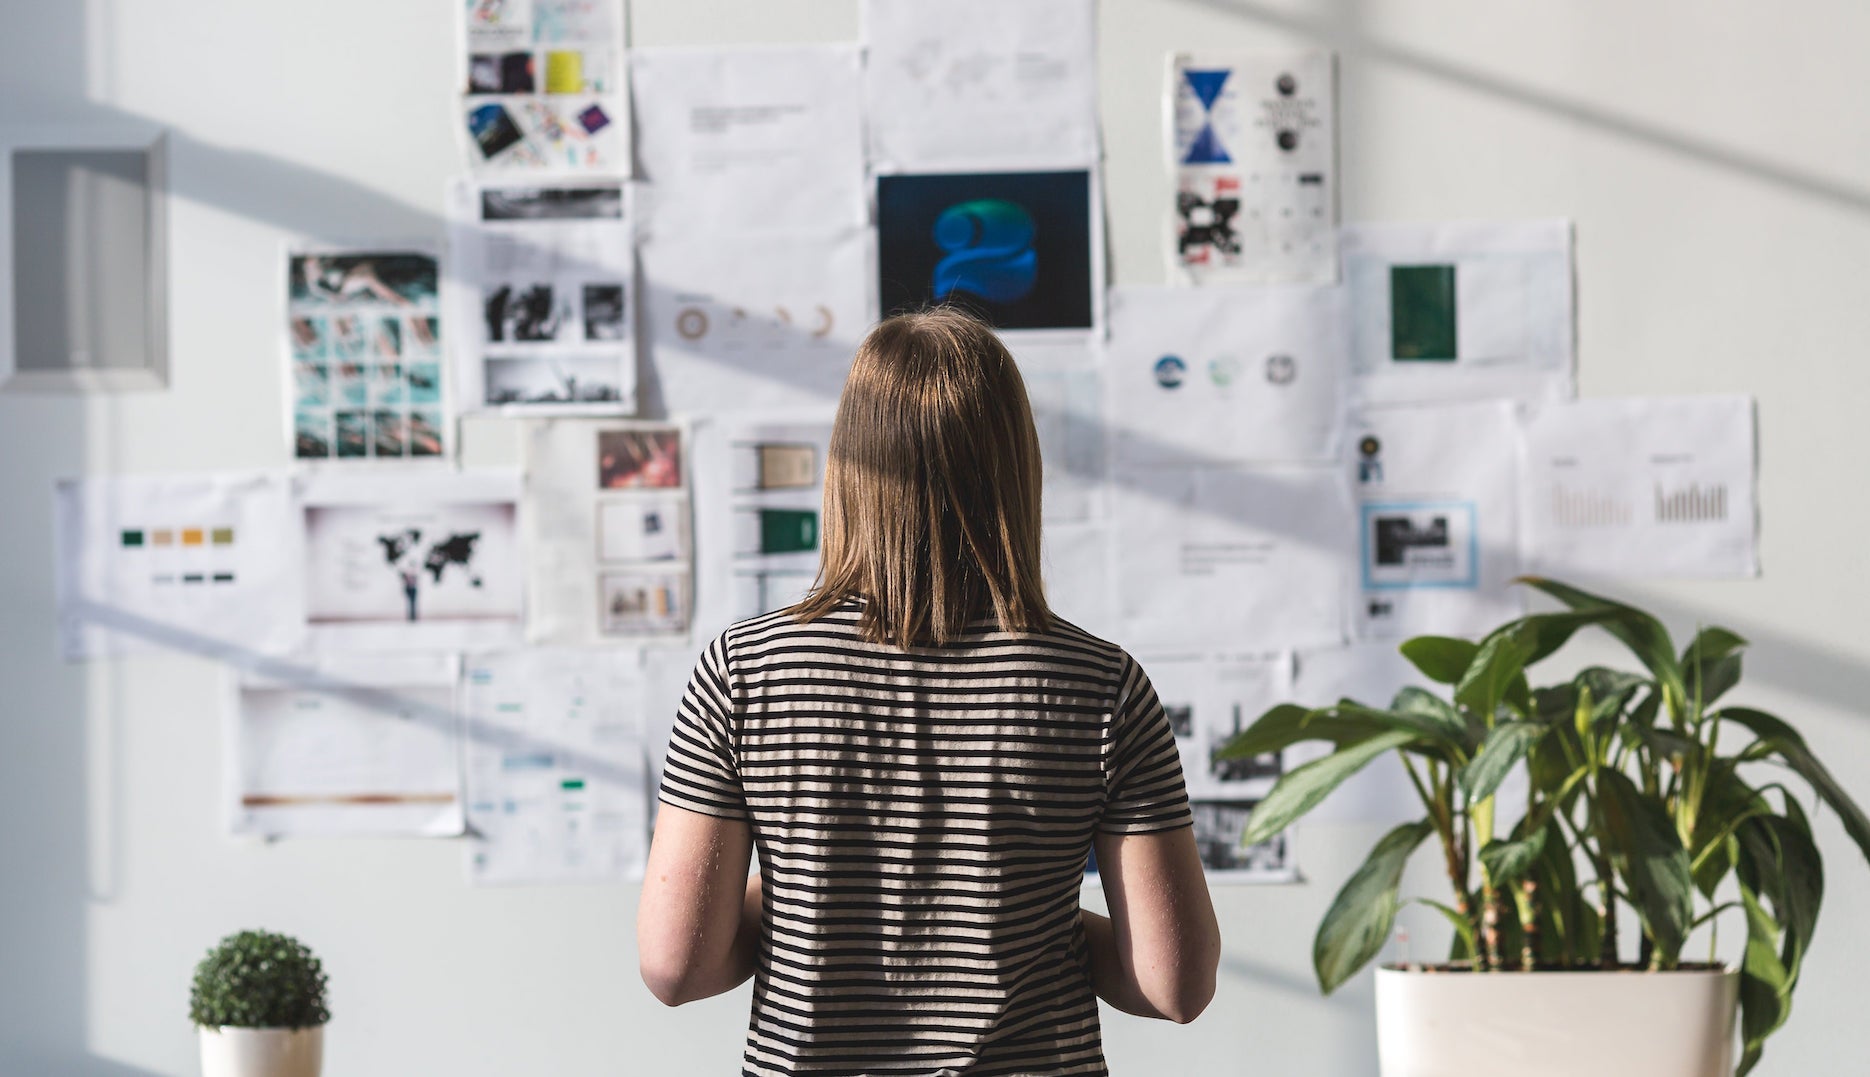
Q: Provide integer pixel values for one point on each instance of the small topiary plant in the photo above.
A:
(256, 979)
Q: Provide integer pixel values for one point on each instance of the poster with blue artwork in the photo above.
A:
(1015, 247)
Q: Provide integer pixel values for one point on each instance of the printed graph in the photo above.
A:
(1573, 508)
(1694, 503)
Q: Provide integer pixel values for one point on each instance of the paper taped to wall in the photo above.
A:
(1253, 152)
(543, 86)
(750, 139)
(1252, 558)
(981, 83)
(1460, 311)
(1224, 375)
(540, 288)
(351, 745)
(411, 562)
(1641, 487)
(553, 766)
(196, 563)
(364, 350)
(1438, 542)
(607, 528)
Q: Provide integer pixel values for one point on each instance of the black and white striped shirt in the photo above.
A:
(922, 821)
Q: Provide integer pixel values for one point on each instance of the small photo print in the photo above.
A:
(603, 312)
(424, 336)
(311, 435)
(639, 459)
(308, 338)
(387, 341)
(493, 129)
(642, 603)
(1219, 826)
(554, 379)
(577, 71)
(386, 383)
(593, 119)
(311, 385)
(597, 202)
(349, 339)
(353, 434)
(425, 383)
(352, 388)
(388, 278)
(425, 432)
(641, 529)
(391, 434)
(501, 72)
(526, 313)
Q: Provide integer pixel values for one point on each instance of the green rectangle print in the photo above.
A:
(1422, 313)
(788, 530)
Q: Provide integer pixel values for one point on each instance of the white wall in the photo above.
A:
(1713, 153)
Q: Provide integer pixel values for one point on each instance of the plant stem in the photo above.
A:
(1526, 901)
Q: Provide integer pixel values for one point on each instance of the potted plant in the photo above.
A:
(259, 1001)
(1644, 792)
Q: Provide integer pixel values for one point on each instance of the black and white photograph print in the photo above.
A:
(588, 202)
(524, 313)
(604, 312)
(554, 379)
(1219, 826)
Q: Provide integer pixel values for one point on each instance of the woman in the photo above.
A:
(924, 756)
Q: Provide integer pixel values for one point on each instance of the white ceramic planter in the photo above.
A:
(1556, 1024)
(262, 1052)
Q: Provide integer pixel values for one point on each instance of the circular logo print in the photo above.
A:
(1369, 446)
(1280, 369)
(1223, 369)
(692, 323)
(1169, 371)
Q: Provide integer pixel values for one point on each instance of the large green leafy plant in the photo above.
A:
(1641, 793)
(256, 979)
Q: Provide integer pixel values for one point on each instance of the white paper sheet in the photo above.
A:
(349, 745)
(364, 360)
(974, 82)
(1065, 389)
(541, 292)
(411, 561)
(1208, 375)
(758, 512)
(1209, 698)
(553, 767)
(772, 324)
(1233, 558)
(543, 86)
(188, 562)
(1371, 674)
(1438, 542)
(1253, 153)
(1460, 311)
(1079, 583)
(740, 140)
(1641, 487)
(607, 530)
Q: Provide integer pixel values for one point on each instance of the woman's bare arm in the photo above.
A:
(698, 926)
(1157, 952)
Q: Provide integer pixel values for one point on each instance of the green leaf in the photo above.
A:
(1435, 713)
(1289, 724)
(1550, 631)
(1711, 644)
(1359, 920)
(1506, 744)
(1648, 853)
(1765, 986)
(1785, 742)
(1639, 631)
(1301, 790)
(1501, 658)
(1441, 659)
(1509, 860)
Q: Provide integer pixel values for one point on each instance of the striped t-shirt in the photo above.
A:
(922, 820)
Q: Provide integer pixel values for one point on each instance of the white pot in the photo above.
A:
(262, 1052)
(1556, 1024)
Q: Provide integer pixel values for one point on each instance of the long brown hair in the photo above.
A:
(932, 490)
